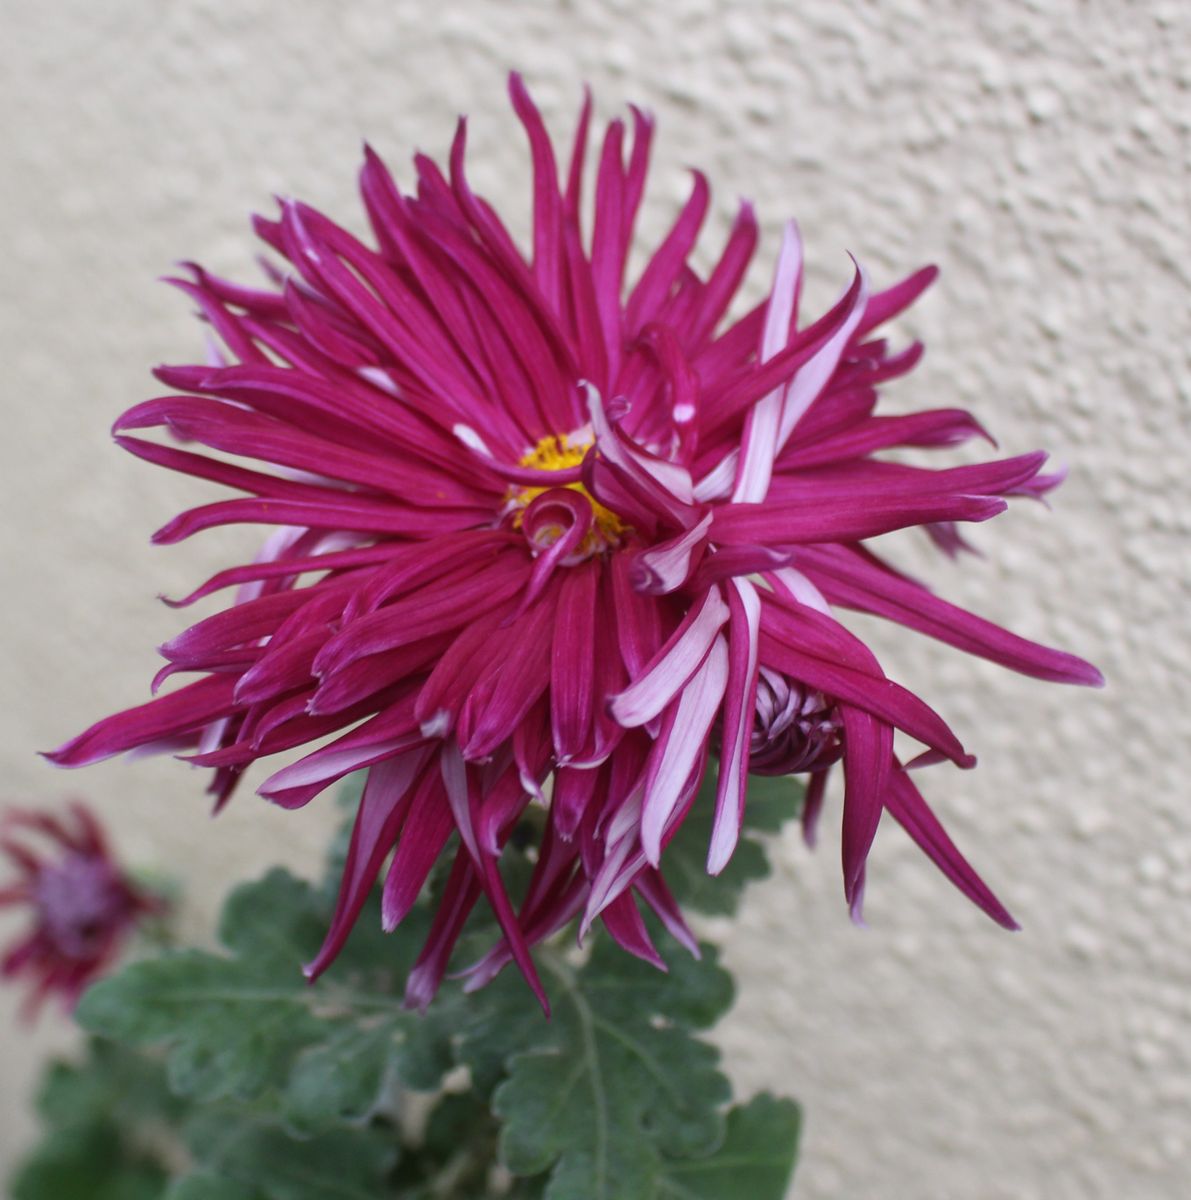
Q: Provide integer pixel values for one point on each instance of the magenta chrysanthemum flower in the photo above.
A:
(547, 536)
(83, 906)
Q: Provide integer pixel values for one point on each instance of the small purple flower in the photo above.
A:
(545, 537)
(83, 907)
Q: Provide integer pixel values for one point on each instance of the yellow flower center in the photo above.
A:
(557, 453)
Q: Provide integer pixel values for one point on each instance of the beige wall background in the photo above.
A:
(1038, 151)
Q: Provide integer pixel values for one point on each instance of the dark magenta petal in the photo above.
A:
(857, 581)
(886, 305)
(907, 806)
(428, 828)
(623, 921)
(868, 756)
(182, 712)
(788, 644)
(744, 607)
(843, 518)
(940, 427)
(459, 898)
(572, 668)
(463, 797)
(511, 682)
(383, 807)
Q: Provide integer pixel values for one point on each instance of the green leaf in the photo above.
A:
(755, 1160)
(616, 1081)
(527, 1189)
(458, 1119)
(247, 1025)
(341, 1164)
(339, 1079)
(231, 1026)
(87, 1162)
(113, 1083)
(93, 1112)
(211, 1187)
(455, 1154)
(772, 800)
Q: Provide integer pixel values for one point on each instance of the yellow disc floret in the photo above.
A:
(558, 453)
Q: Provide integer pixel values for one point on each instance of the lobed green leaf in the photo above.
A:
(256, 1152)
(246, 1024)
(211, 1187)
(87, 1162)
(756, 1158)
(617, 1081)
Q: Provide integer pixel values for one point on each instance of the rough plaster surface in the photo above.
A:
(1039, 153)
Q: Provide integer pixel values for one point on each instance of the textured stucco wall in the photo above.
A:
(1038, 152)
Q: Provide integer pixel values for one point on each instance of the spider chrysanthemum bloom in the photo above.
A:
(83, 907)
(546, 535)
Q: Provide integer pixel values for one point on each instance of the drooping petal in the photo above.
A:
(682, 738)
(868, 753)
(906, 805)
(186, 711)
(740, 696)
(858, 581)
(462, 797)
(572, 671)
(383, 808)
(669, 671)
(762, 425)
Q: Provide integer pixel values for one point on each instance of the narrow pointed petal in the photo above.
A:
(683, 736)
(572, 671)
(886, 305)
(182, 712)
(739, 699)
(763, 422)
(906, 805)
(623, 921)
(855, 581)
(673, 665)
(383, 807)
(429, 825)
(461, 796)
(868, 753)
(459, 898)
